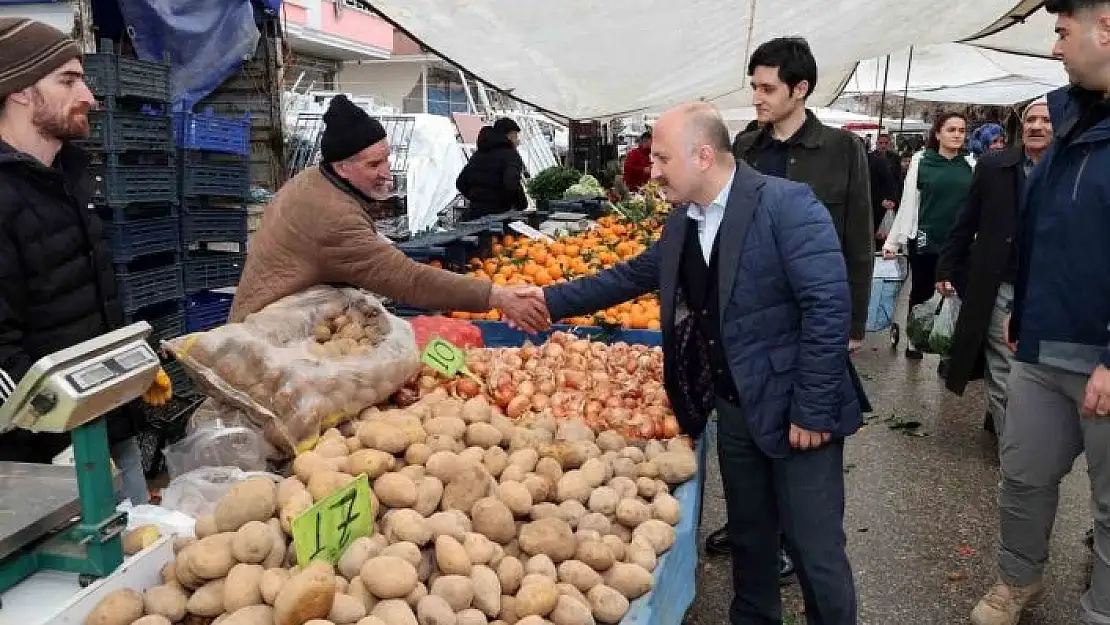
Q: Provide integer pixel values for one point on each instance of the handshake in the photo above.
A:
(523, 307)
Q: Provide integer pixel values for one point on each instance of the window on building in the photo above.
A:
(359, 5)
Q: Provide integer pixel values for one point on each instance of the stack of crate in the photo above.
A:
(135, 185)
(214, 155)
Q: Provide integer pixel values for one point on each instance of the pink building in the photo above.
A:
(322, 34)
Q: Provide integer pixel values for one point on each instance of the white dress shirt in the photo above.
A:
(708, 218)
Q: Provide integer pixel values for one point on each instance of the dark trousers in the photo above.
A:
(801, 496)
(923, 275)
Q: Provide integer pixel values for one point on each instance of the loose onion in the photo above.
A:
(526, 388)
(517, 406)
(540, 402)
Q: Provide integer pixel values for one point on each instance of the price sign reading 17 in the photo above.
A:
(446, 359)
(324, 531)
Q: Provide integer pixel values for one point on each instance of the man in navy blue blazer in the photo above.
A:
(755, 318)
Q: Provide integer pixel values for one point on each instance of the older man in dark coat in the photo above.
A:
(980, 262)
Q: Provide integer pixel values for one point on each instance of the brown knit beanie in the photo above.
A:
(29, 51)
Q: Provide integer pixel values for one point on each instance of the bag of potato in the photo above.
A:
(303, 364)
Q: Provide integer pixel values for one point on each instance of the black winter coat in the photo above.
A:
(976, 254)
(57, 284)
(491, 181)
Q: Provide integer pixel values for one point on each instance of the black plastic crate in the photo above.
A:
(203, 222)
(120, 179)
(148, 281)
(119, 131)
(207, 310)
(182, 383)
(131, 239)
(206, 270)
(167, 321)
(111, 76)
(214, 174)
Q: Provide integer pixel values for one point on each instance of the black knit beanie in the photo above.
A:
(29, 51)
(348, 130)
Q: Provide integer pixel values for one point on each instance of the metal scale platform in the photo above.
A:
(58, 517)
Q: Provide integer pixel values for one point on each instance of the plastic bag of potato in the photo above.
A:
(304, 363)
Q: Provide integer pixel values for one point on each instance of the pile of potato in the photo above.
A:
(480, 520)
(354, 332)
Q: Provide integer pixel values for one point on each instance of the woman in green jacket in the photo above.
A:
(936, 186)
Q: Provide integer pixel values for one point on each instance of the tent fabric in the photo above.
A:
(1035, 36)
(205, 40)
(585, 60)
(955, 72)
(435, 160)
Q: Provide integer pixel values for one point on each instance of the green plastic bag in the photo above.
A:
(944, 326)
(922, 317)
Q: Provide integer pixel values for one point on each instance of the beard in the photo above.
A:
(60, 123)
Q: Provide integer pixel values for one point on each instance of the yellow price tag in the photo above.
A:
(446, 359)
(325, 530)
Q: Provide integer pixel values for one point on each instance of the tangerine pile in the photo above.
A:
(519, 260)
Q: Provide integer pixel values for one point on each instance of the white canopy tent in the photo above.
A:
(955, 72)
(564, 57)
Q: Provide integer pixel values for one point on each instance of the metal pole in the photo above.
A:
(906, 91)
(882, 99)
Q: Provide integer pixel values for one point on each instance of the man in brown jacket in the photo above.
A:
(317, 231)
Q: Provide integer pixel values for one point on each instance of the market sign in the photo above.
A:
(447, 359)
(324, 531)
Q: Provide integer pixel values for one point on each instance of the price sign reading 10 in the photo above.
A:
(444, 357)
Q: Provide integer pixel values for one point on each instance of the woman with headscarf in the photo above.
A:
(987, 138)
(935, 189)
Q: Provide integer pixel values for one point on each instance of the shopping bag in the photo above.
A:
(885, 225)
(922, 318)
(944, 326)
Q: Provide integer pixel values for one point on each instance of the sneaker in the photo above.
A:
(786, 569)
(1004, 603)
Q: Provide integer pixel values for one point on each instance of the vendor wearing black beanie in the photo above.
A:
(317, 230)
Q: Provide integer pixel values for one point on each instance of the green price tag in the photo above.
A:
(444, 357)
(325, 530)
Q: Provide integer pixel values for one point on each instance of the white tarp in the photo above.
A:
(954, 72)
(567, 57)
(1035, 36)
(435, 160)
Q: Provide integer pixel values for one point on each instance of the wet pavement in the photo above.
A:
(921, 516)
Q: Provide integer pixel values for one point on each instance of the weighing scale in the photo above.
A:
(52, 518)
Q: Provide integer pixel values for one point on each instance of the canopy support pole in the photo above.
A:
(882, 98)
(906, 91)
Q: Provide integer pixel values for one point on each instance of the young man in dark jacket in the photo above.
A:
(57, 285)
(491, 181)
(1059, 385)
(791, 143)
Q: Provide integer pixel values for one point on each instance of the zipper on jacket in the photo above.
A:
(1079, 176)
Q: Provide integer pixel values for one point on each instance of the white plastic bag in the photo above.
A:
(885, 225)
(218, 436)
(305, 363)
(944, 326)
(922, 318)
(196, 493)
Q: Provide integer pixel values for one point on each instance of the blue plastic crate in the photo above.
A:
(214, 174)
(206, 270)
(215, 133)
(119, 131)
(167, 321)
(148, 281)
(120, 179)
(204, 222)
(132, 239)
(207, 310)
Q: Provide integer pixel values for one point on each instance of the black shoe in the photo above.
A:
(786, 569)
(718, 543)
(1089, 539)
(913, 354)
(988, 424)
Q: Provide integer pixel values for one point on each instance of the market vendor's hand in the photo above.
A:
(1096, 402)
(160, 391)
(524, 308)
(804, 440)
(888, 204)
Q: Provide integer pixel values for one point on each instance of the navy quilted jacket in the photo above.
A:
(785, 309)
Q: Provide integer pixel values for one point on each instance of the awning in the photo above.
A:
(582, 59)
